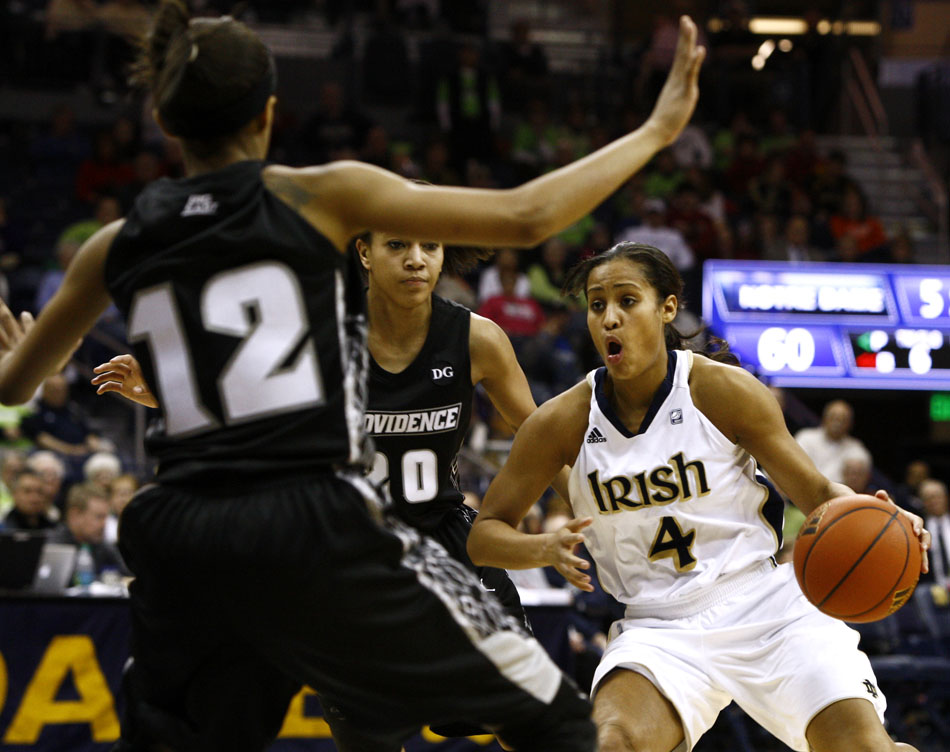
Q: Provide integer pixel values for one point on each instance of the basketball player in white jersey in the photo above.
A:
(664, 447)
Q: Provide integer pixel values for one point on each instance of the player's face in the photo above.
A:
(626, 317)
(403, 269)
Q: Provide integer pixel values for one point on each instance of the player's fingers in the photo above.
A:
(9, 331)
(569, 541)
(685, 42)
(578, 524)
(107, 376)
(109, 386)
(884, 496)
(27, 321)
(578, 579)
(697, 63)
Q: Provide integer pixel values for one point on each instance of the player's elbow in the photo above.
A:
(533, 219)
(13, 394)
(476, 544)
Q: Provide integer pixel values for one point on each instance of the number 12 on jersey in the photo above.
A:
(255, 382)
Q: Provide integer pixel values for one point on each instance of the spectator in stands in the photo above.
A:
(11, 465)
(547, 275)
(147, 167)
(933, 494)
(801, 160)
(387, 71)
(829, 444)
(87, 510)
(107, 210)
(12, 240)
(692, 149)
(103, 172)
(655, 231)
(435, 164)
(795, 243)
(665, 176)
(52, 471)
(696, 226)
(856, 472)
(779, 139)
(376, 149)
(126, 138)
(769, 191)
(907, 493)
(745, 166)
(853, 220)
(336, 128)
(726, 140)
(56, 154)
(29, 504)
(60, 425)
(519, 315)
(121, 491)
(489, 284)
(830, 184)
(846, 250)
(100, 470)
(901, 249)
(524, 64)
(468, 106)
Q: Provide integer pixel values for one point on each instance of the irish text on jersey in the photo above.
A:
(678, 480)
(434, 420)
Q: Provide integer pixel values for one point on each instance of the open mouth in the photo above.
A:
(614, 351)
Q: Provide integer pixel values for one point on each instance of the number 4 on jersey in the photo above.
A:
(671, 541)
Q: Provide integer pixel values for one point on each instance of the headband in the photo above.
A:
(223, 120)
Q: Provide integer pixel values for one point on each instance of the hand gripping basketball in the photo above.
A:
(858, 557)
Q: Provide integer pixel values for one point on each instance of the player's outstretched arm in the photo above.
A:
(70, 314)
(745, 411)
(343, 199)
(547, 440)
(123, 376)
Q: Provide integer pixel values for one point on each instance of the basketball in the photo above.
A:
(857, 558)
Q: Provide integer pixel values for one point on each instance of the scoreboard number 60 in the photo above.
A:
(780, 348)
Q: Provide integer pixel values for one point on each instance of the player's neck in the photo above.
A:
(632, 397)
(396, 325)
(231, 154)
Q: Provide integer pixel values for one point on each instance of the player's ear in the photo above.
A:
(668, 308)
(161, 124)
(362, 250)
(265, 120)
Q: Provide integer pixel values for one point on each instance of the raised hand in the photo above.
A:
(674, 107)
(13, 330)
(559, 553)
(123, 375)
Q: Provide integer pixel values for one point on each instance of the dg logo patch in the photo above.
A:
(442, 373)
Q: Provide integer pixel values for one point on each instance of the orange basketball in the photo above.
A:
(857, 558)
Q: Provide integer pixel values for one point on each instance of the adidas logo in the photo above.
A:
(595, 436)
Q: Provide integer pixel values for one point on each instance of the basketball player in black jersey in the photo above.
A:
(427, 354)
(261, 559)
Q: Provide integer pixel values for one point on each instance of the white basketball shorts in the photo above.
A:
(765, 647)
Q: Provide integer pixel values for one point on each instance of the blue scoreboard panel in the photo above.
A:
(853, 326)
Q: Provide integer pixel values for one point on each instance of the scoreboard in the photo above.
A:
(852, 326)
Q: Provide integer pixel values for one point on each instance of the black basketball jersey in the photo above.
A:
(419, 417)
(249, 326)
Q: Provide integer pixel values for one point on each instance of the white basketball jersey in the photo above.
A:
(676, 505)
